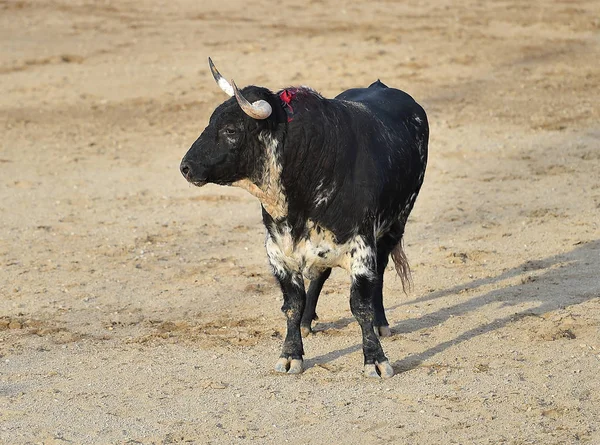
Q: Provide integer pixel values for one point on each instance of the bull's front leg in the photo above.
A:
(294, 300)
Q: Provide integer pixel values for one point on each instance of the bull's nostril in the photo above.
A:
(185, 169)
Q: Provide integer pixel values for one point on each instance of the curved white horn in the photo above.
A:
(257, 110)
(221, 81)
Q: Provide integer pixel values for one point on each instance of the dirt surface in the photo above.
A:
(137, 309)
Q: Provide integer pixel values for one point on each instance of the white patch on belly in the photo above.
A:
(312, 255)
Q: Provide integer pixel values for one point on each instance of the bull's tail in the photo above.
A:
(402, 267)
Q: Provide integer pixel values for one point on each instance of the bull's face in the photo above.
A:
(218, 155)
(230, 148)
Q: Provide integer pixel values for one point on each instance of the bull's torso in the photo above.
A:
(355, 173)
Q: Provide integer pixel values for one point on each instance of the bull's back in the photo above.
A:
(390, 105)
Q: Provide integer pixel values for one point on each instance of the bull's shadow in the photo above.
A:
(560, 281)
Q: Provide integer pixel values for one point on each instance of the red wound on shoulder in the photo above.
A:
(286, 97)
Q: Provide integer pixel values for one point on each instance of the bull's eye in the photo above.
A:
(229, 131)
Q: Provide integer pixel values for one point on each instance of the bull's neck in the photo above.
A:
(268, 188)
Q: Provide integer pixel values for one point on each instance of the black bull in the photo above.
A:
(337, 179)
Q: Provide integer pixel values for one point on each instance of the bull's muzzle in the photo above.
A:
(192, 173)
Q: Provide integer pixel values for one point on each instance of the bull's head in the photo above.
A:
(232, 147)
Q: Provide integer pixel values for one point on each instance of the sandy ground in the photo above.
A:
(137, 309)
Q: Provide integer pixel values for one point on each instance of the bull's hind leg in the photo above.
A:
(294, 299)
(312, 296)
(381, 325)
(385, 246)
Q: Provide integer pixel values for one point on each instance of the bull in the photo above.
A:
(336, 179)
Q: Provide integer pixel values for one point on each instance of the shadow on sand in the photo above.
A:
(560, 281)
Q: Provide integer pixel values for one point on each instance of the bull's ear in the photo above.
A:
(221, 81)
(261, 109)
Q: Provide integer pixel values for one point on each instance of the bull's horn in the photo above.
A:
(221, 81)
(257, 110)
